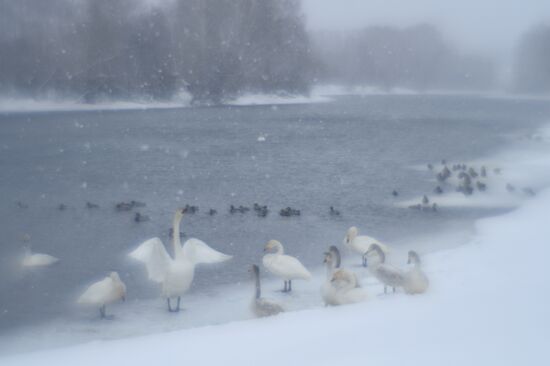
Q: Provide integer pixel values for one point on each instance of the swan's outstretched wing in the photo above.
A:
(198, 251)
(156, 259)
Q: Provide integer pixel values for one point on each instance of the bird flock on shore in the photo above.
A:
(462, 178)
(175, 272)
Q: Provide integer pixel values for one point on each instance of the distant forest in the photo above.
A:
(218, 49)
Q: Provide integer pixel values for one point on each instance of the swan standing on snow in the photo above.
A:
(262, 307)
(388, 275)
(282, 265)
(37, 259)
(341, 286)
(416, 281)
(361, 244)
(175, 274)
(104, 292)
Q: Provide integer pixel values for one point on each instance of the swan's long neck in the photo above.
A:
(258, 291)
(330, 269)
(176, 236)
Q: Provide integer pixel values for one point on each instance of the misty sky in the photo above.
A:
(491, 25)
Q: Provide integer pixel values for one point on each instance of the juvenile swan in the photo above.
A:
(361, 244)
(262, 307)
(388, 275)
(104, 292)
(37, 259)
(341, 286)
(175, 274)
(416, 281)
(284, 266)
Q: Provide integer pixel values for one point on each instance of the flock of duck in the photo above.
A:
(175, 273)
(463, 178)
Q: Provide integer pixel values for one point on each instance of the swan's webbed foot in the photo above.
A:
(169, 307)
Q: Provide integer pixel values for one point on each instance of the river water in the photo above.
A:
(350, 153)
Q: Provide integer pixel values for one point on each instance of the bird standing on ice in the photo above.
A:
(361, 244)
(37, 259)
(385, 273)
(261, 306)
(175, 274)
(341, 286)
(282, 265)
(104, 292)
(416, 281)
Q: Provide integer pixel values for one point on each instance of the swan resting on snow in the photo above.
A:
(416, 281)
(361, 244)
(262, 307)
(282, 265)
(37, 259)
(388, 275)
(104, 292)
(341, 286)
(175, 274)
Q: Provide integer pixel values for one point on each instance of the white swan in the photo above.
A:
(262, 307)
(341, 286)
(175, 274)
(37, 259)
(416, 281)
(282, 265)
(388, 275)
(104, 292)
(361, 244)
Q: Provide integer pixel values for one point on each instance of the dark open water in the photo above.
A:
(350, 153)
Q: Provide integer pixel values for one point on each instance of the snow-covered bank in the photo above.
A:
(274, 99)
(22, 105)
(488, 304)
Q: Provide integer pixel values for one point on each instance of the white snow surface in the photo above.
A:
(488, 304)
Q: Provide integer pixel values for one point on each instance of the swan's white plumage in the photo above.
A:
(104, 292)
(285, 266)
(175, 274)
(360, 244)
(156, 259)
(199, 252)
(385, 273)
(38, 259)
(341, 286)
(416, 281)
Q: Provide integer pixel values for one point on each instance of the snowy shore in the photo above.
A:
(319, 94)
(488, 304)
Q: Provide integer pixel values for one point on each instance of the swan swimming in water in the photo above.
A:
(37, 259)
(341, 286)
(262, 307)
(388, 275)
(175, 274)
(104, 292)
(416, 281)
(282, 265)
(361, 244)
